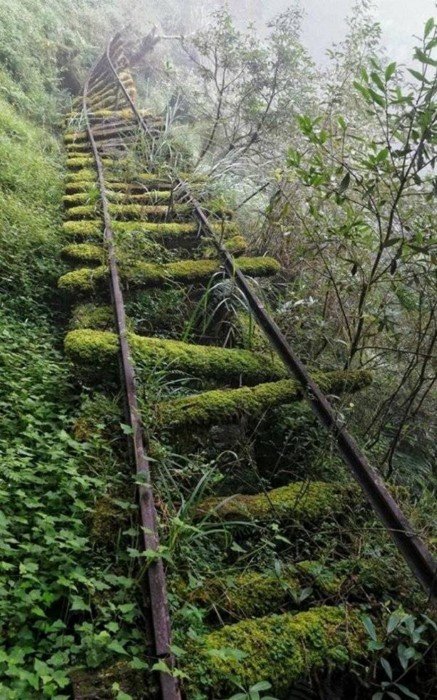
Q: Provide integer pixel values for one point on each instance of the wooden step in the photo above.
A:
(280, 649)
(208, 362)
(220, 406)
(143, 275)
(298, 502)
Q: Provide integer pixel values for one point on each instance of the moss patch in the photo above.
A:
(85, 280)
(278, 648)
(224, 405)
(257, 593)
(89, 346)
(92, 316)
(83, 252)
(138, 211)
(155, 229)
(83, 229)
(299, 502)
(84, 211)
(196, 360)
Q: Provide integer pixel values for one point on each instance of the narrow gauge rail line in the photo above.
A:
(409, 544)
(107, 75)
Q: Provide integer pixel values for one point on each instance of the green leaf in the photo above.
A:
(389, 244)
(387, 668)
(376, 98)
(423, 58)
(429, 26)
(417, 75)
(344, 184)
(364, 91)
(262, 685)
(382, 155)
(396, 617)
(117, 647)
(390, 70)
(406, 691)
(370, 627)
(378, 82)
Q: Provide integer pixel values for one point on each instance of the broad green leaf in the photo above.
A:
(262, 685)
(117, 647)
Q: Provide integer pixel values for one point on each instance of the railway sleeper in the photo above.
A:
(143, 197)
(254, 593)
(133, 211)
(219, 406)
(143, 274)
(98, 348)
(297, 503)
(279, 648)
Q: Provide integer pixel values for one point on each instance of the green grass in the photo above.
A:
(30, 195)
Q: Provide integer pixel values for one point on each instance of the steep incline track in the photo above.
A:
(244, 382)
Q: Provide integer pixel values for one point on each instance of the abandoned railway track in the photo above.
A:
(236, 383)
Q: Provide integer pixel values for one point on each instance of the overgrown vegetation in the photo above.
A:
(258, 517)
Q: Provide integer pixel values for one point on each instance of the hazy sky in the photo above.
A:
(324, 21)
(400, 19)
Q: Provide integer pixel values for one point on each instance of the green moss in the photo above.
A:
(138, 211)
(90, 346)
(139, 274)
(80, 162)
(87, 279)
(158, 230)
(299, 502)
(210, 362)
(165, 229)
(78, 148)
(224, 405)
(85, 211)
(321, 576)
(254, 593)
(248, 594)
(83, 252)
(221, 364)
(106, 521)
(192, 271)
(278, 648)
(236, 245)
(141, 197)
(258, 267)
(92, 316)
(82, 175)
(83, 229)
(80, 185)
(77, 198)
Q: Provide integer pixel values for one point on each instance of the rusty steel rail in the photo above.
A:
(413, 550)
(148, 517)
